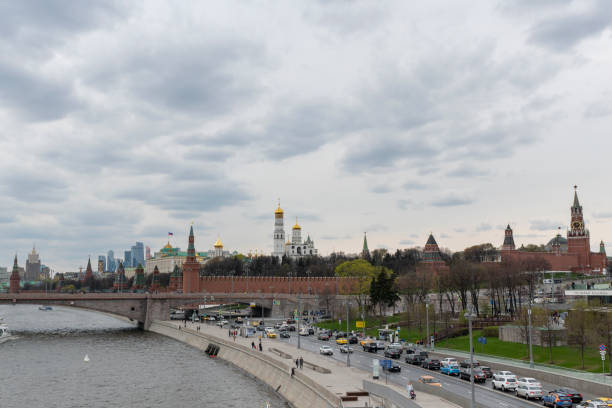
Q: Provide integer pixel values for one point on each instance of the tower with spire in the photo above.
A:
(139, 278)
(88, 271)
(120, 283)
(155, 279)
(279, 232)
(508, 240)
(218, 248)
(365, 252)
(578, 238)
(432, 257)
(191, 268)
(15, 279)
(33, 265)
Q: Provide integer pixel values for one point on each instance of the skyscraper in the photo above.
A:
(138, 254)
(101, 264)
(110, 261)
(32, 270)
(127, 259)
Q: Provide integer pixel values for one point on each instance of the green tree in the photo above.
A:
(579, 324)
(363, 272)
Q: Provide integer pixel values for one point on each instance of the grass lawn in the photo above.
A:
(372, 326)
(564, 356)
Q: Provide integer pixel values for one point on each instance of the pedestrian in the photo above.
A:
(297, 362)
(292, 372)
(253, 345)
(260, 346)
(301, 362)
(229, 333)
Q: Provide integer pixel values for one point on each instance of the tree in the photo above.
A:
(579, 323)
(363, 272)
(603, 331)
(382, 289)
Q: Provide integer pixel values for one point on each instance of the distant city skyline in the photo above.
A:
(398, 119)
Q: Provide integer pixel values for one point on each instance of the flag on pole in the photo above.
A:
(170, 234)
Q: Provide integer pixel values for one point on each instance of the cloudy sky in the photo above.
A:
(123, 121)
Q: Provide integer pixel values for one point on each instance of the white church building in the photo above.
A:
(293, 248)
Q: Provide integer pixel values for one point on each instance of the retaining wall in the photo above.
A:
(300, 391)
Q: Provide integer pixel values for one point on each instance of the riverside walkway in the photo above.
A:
(341, 380)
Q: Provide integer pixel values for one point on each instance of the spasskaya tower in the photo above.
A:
(578, 239)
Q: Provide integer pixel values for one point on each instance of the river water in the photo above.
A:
(42, 365)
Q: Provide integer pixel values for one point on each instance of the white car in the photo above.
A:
(346, 349)
(326, 350)
(592, 404)
(304, 331)
(449, 360)
(504, 380)
(222, 323)
(528, 391)
(529, 382)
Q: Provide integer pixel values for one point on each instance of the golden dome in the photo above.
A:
(296, 226)
(218, 244)
(278, 210)
(167, 246)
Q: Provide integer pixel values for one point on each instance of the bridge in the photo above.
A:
(146, 307)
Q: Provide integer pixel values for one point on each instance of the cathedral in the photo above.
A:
(571, 254)
(293, 248)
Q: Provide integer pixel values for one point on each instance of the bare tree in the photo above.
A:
(579, 324)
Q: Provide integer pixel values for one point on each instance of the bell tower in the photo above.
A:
(191, 268)
(279, 232)
(578, 239)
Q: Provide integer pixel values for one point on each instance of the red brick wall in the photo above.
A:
(272, 284)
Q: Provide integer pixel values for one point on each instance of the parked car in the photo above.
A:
(504, 381)
(466, 363)
(323, 336)
(326, 350)
(487, 370)
(528, 391)
(528, 381)
(431, 364)
(392, 352)
(429, 380)
(574, 395)
(450, 369)
(466, 372)
(449, 360)
(346, 349)
(554, 399)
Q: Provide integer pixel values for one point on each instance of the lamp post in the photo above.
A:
(428, 342)
(348, 347)
(530, 340)
(470, 315)
(298, 320)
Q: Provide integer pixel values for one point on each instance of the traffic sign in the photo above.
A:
(603, 355)
(602, 347)
(359, 323)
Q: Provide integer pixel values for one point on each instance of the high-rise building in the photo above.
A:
(101, 264)
(127, 259)
(4, 274)
(148, 252)
(32, 270)
(138, 255)
(45, 272)
(110, 262)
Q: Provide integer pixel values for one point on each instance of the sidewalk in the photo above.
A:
(341, 380)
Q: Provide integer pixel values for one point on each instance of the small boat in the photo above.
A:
(4, 333)
(86, 359)
(45, 308)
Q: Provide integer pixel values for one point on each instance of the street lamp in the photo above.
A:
(530, 340)
(470, 315)
(348, 347)
(298, 317)
(427, 320)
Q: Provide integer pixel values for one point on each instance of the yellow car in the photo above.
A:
(341, 340)
(605, 400)
(429, 380)
(365, 341)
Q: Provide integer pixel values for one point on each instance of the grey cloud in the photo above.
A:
(381, 189)
(376, 228)
(403, 204)
(484, 227)
(445, 236)
(544, 225)
(597, 110)
(451, 200)
(459, 230)
(337, 17)
(561, 32)
(467, 171)
(603, 215)
(406, 242)
(414, 185)
(28, 185)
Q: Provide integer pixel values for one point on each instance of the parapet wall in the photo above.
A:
(276, 284)
(300, 391)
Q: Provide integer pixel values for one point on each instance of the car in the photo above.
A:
(397, 346)
(504, 380)
(415, 359)
(271, 335)
(554, 399)
(340, 334)
(574, 395)
(390, 366)
(303, 332)
(450, 369)
(353, 340)
(310, 331)
(466, 372)
(346, 349)
(323, 336)
(606, 400)
(528, 391)
(278, 325)
(466, 363)
(291, 327)
(341, 340)
(326, 350)
(364, 341)
(222, 323)
(235, 326)
(596, 403)
(528, 381)
(380, 345)
(260, 328)
(392, 352)
(431, 364)
(487, 370)
(429, 380)
(370, 347)
(284, 335)
(449, 360)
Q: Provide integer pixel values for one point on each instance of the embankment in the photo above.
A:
(299, 390)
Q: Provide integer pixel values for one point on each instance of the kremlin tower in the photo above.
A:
(279, 233)
(191, 268)
(14, 279)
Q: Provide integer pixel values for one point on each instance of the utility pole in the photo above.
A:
(363, 318)
(298, 320)
(530, 337)
(348, 347)
(428, 342)
(469, 314)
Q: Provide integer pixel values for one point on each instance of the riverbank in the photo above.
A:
(309, 387)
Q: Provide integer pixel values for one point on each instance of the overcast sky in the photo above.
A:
(123, 121)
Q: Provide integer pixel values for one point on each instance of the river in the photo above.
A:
(42, 365)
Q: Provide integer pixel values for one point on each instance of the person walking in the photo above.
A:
(297, 363)
(292, 372)
(253, 345)
(260, 346)
(301, 362)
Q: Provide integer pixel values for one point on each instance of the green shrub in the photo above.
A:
(491, 331)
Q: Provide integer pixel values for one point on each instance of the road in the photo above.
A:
(484, 393)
